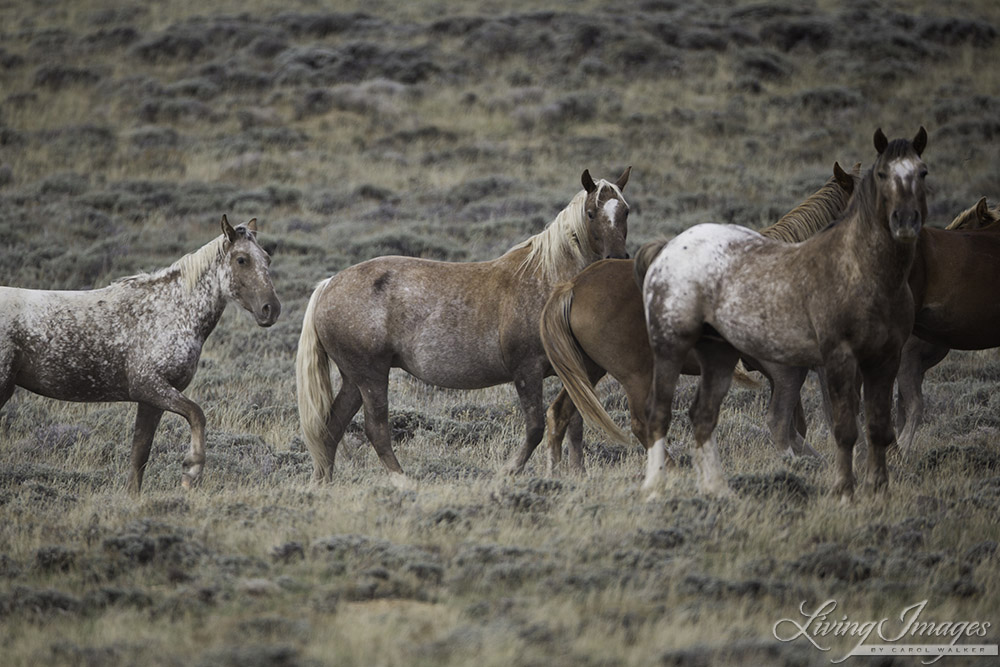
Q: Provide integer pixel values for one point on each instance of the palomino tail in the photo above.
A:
(313, 385)
(567, 359)
(647, 253)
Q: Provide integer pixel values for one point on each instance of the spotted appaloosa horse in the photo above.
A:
(138, 339)
(838, 300)
(463, 325)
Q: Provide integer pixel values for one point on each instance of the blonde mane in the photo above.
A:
(562, 243)
(191, 266)
(815, 213)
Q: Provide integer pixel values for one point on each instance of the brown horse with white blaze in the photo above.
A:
(463, 325)
(138, 339)
(839, 300)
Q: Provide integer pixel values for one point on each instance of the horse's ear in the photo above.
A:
(623, 179)
(588, 182)
(880, 141)
(844, 180)
(228, 230)
(920, 141)
(982, 210)
(252, 225)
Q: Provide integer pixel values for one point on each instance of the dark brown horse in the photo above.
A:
(138, 339)
(838, 300)
(594, 324)
(460, 325)
(953, 310)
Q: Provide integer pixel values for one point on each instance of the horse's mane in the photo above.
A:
(815, 213)
(191, 267)
(562, 241)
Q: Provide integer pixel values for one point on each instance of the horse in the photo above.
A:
(838, 300)
(952, 309)
(462, 325)
(594, 325)
(138, 339)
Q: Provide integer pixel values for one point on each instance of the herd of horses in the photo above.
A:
(851, 284)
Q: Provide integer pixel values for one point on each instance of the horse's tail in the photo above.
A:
(312, 384)
(566, 358)
(645, 257)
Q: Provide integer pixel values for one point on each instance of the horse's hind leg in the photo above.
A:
(917, 358)
(558, 419)
(528, 385)
(717, 359)
(147, 418)
(345, 406)
(659, 408)
(784, 410)
(374, 391)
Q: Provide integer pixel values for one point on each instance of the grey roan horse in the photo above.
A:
(839, 300)
(138, 339)
(463, 325)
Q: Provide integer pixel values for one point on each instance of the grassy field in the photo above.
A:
(453, 131)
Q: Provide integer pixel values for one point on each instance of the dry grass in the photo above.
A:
(452, 132)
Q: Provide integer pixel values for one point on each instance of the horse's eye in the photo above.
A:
(590, 215)
(923, 173)
(883, 174)
(241, 260)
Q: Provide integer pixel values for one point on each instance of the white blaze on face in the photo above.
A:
(904, 172)
(610, 208)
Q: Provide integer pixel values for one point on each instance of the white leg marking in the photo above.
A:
(711, 479)
(656, 458)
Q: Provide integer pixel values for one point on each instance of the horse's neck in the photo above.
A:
(514, 261)
(868, 236)
(197, 308)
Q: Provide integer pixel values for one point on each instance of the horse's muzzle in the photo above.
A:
(905, 225)
(268, 313)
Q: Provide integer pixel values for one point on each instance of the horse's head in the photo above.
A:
(607, 215)
(899, 176)
(249, 280)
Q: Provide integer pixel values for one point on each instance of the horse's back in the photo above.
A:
(439, 321)
(955, 305)
(746, 286)
(62, 344)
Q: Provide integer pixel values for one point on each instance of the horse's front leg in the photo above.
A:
(878, 382)
(916, 359)
(163, 396)
(147, 418)
(528, 385)
(840, 380)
